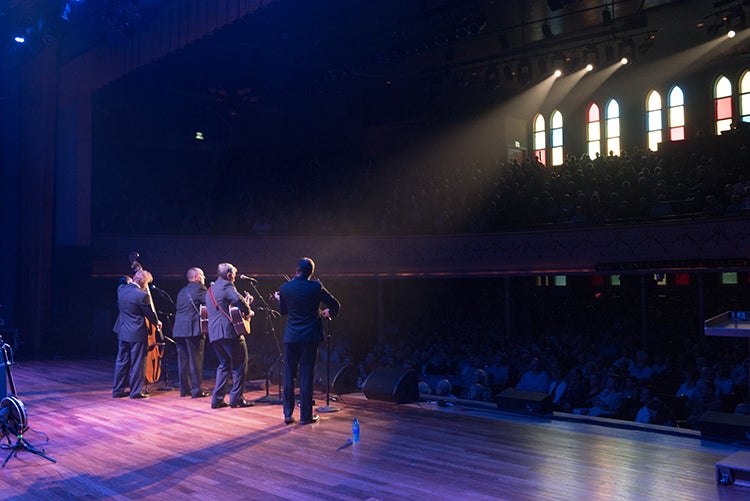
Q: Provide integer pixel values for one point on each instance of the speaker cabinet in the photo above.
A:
(392, 385)
(514, 400)
(343, 378)
(725, 426)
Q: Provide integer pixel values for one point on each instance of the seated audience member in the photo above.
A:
(723, 382)
(557, 384)
(443, 388)
(705, 399)
(607, 402)
(644, 414)
(576, 391)
(535, 378)
(478, 389)
(640, 367)
(689, 385)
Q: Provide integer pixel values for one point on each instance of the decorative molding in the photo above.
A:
(630, 248)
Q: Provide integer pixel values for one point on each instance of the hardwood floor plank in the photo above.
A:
(167, 447)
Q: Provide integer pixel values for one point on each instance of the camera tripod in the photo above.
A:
(13, 417)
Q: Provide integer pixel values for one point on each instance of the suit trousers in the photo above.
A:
(232, 355)
(190, 352)
(302, 356)
(130, 367)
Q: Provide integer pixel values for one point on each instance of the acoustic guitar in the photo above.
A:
(240, 323)
(204, 319)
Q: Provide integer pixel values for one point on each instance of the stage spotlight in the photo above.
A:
(624, 61)
(20, 39)
(731, 33)
(589, 67)
(557, 73)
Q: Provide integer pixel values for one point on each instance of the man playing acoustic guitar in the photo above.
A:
(227, 336)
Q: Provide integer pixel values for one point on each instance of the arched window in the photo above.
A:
(540, 139)
(653, 120)
(613, 127)
(745, 96)
(556, 137)
(594, 132)
(676, 104)
(723, 104)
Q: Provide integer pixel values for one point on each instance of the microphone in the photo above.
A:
(249, 279)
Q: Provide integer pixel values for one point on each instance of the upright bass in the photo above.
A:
(155, 351)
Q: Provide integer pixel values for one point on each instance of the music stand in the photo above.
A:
(327, 407)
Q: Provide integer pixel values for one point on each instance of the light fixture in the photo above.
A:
(546, 30)
(589, 67)
(19, 38)
(647, 43)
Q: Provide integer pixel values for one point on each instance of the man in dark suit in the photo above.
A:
(191, 343)
(300, 299)
(230, 348)
(136, 308)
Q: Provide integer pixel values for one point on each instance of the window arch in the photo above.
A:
(723, 104)
(540, 139)
(653, 120)
(613, 127)
(594, 131)
(556, 137)
(676, 104)
(745, 96)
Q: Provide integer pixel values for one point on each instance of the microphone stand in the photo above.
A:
(270, 313)
(327, 407)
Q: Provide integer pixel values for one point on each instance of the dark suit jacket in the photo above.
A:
(225, 293)
(300, 298)
(135, 307)
(187, 316)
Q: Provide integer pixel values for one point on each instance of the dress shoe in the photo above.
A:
(140, 395)
(219, 404)
(312, 420)
(121, 394)
(289, 420)
(243, 403)
(202, 394)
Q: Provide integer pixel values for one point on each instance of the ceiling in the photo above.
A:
(386, 61)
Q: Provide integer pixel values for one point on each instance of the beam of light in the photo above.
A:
(584, 87)
(677, 64)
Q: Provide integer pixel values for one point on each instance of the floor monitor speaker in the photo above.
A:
(515, 400)
(724, 426)
(343, 378)
(392, 385)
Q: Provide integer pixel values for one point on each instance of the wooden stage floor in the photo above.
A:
(168, 447)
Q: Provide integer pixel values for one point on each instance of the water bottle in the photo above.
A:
(355, 431)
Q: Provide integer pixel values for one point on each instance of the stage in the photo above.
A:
(167, 447)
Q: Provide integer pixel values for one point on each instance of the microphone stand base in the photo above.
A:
(268, 400)
(327, 408)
